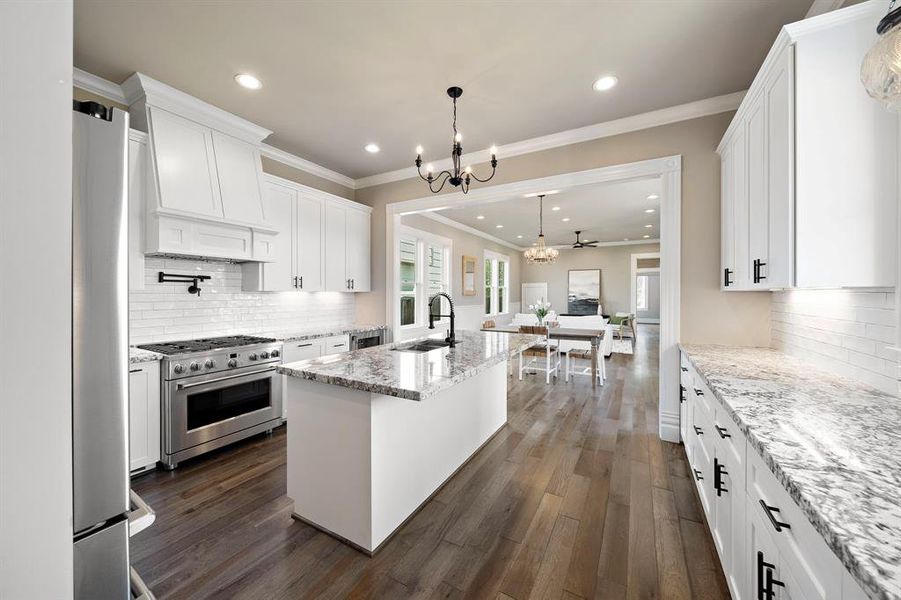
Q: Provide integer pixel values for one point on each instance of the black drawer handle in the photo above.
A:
(724, 433)
(763, 592)
(727, 279)
(304, 345)
(718, 471)
(698, 430)
(699, 392)
(769, 510)
(698, 475)
(770, 582)
(685, 369)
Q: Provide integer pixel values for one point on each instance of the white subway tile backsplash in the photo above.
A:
(165, 311)
(849, 333)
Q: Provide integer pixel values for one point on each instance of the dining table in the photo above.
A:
(573, 334)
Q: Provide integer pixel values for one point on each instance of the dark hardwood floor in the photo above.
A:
(576, 498)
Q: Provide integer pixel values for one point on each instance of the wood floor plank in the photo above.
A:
(522, 572)
(552, 572)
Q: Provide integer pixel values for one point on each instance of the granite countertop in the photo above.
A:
(137, 355)
(294, 336)
(833, 443)
(415, 376)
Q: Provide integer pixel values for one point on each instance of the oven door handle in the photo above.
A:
(184, 386)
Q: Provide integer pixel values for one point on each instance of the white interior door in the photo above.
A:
(533, 293)
(647, 299)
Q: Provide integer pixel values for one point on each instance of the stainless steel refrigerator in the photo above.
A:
(100, 351)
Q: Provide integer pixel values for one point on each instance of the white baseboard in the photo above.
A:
(669, 427)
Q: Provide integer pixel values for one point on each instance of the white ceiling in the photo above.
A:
(606, 212)
(338, 75)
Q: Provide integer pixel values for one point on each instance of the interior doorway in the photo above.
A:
(645, 284)
(533, 293)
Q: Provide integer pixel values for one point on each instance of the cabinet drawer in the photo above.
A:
(813, 569)
(729, 440)
(335, 344)
(301, 350)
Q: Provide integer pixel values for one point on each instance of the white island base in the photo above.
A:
(360, 463)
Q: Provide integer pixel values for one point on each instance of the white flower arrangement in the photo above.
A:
(541, 310)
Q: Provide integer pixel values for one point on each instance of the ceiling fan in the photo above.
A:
(584, 244)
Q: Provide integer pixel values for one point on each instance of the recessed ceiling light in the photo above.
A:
(649, 210)
(605, 83)
(653, 197)
(646, 237)
(556, 208)
(625, 239)
(480, 217)
(648, 226)
(249, 81)
(565, 219)
(499, 226)
(371, 148)
(519, 237)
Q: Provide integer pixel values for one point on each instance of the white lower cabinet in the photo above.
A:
(307, 349)
(767, 547)
(143, 415)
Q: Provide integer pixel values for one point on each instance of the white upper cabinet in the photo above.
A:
(336, 278)
(322, 242)
(185, 165)
(309, 243)
(358, 250)
(240, 172)
(815, 162)
(205, 176)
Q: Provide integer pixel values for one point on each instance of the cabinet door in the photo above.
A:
(727, 220)
(336, 278)
(728, 523)
(240, 173)
(293, 352)
(185, 164)
(277, 275)
(310, 215)
(137, 180)
(358, 250)
(761, 558)
(143, 415)
(778, 95)
(758, 205)
(738, 153)
(702, 461)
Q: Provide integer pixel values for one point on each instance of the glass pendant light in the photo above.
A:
(880, 72)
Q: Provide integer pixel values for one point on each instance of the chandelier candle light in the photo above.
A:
(539, 254)
(458, 177)
(880, 72)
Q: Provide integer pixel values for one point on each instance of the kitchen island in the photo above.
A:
(374, 433)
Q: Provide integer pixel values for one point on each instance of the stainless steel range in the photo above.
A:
(217, 391)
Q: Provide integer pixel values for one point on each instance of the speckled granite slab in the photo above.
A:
(137, 355)
(833, 443)
(295, 336)
(415, 376)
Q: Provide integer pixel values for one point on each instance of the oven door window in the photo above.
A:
(215, 406)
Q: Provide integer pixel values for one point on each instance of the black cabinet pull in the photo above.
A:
(698, 475)
(757, 276)
(699, 392)
(727, 280)
(300, 282)
(295, 281)
(682, 391)
(698, 430)
(770, 582)
(724, 433)
(304, 345)
(684, 369)
(718, 471)
(763, 592)
(769, 510)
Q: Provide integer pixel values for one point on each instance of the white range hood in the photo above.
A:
(206, 176)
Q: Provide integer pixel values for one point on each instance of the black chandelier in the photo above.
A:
(458, 177)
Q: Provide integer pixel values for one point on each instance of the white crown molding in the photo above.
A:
(98, 85)
(302, 164)
(606, 244)
(656, 118)
(316, 193)
(160, 95)
(471, 230)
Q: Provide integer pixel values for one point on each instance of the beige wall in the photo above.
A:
(613, 261)
(470, 245)
(708, 315)
(269, 166)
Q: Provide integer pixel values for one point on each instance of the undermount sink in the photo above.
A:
(424, 346)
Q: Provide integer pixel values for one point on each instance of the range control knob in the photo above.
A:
(264, 355)
(274, 354)
(252, 356)
(210, 363)
(195, 366)
(233, 362)
(179, 368)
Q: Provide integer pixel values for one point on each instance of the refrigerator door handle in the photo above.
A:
(141, 516)
(139, 589)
